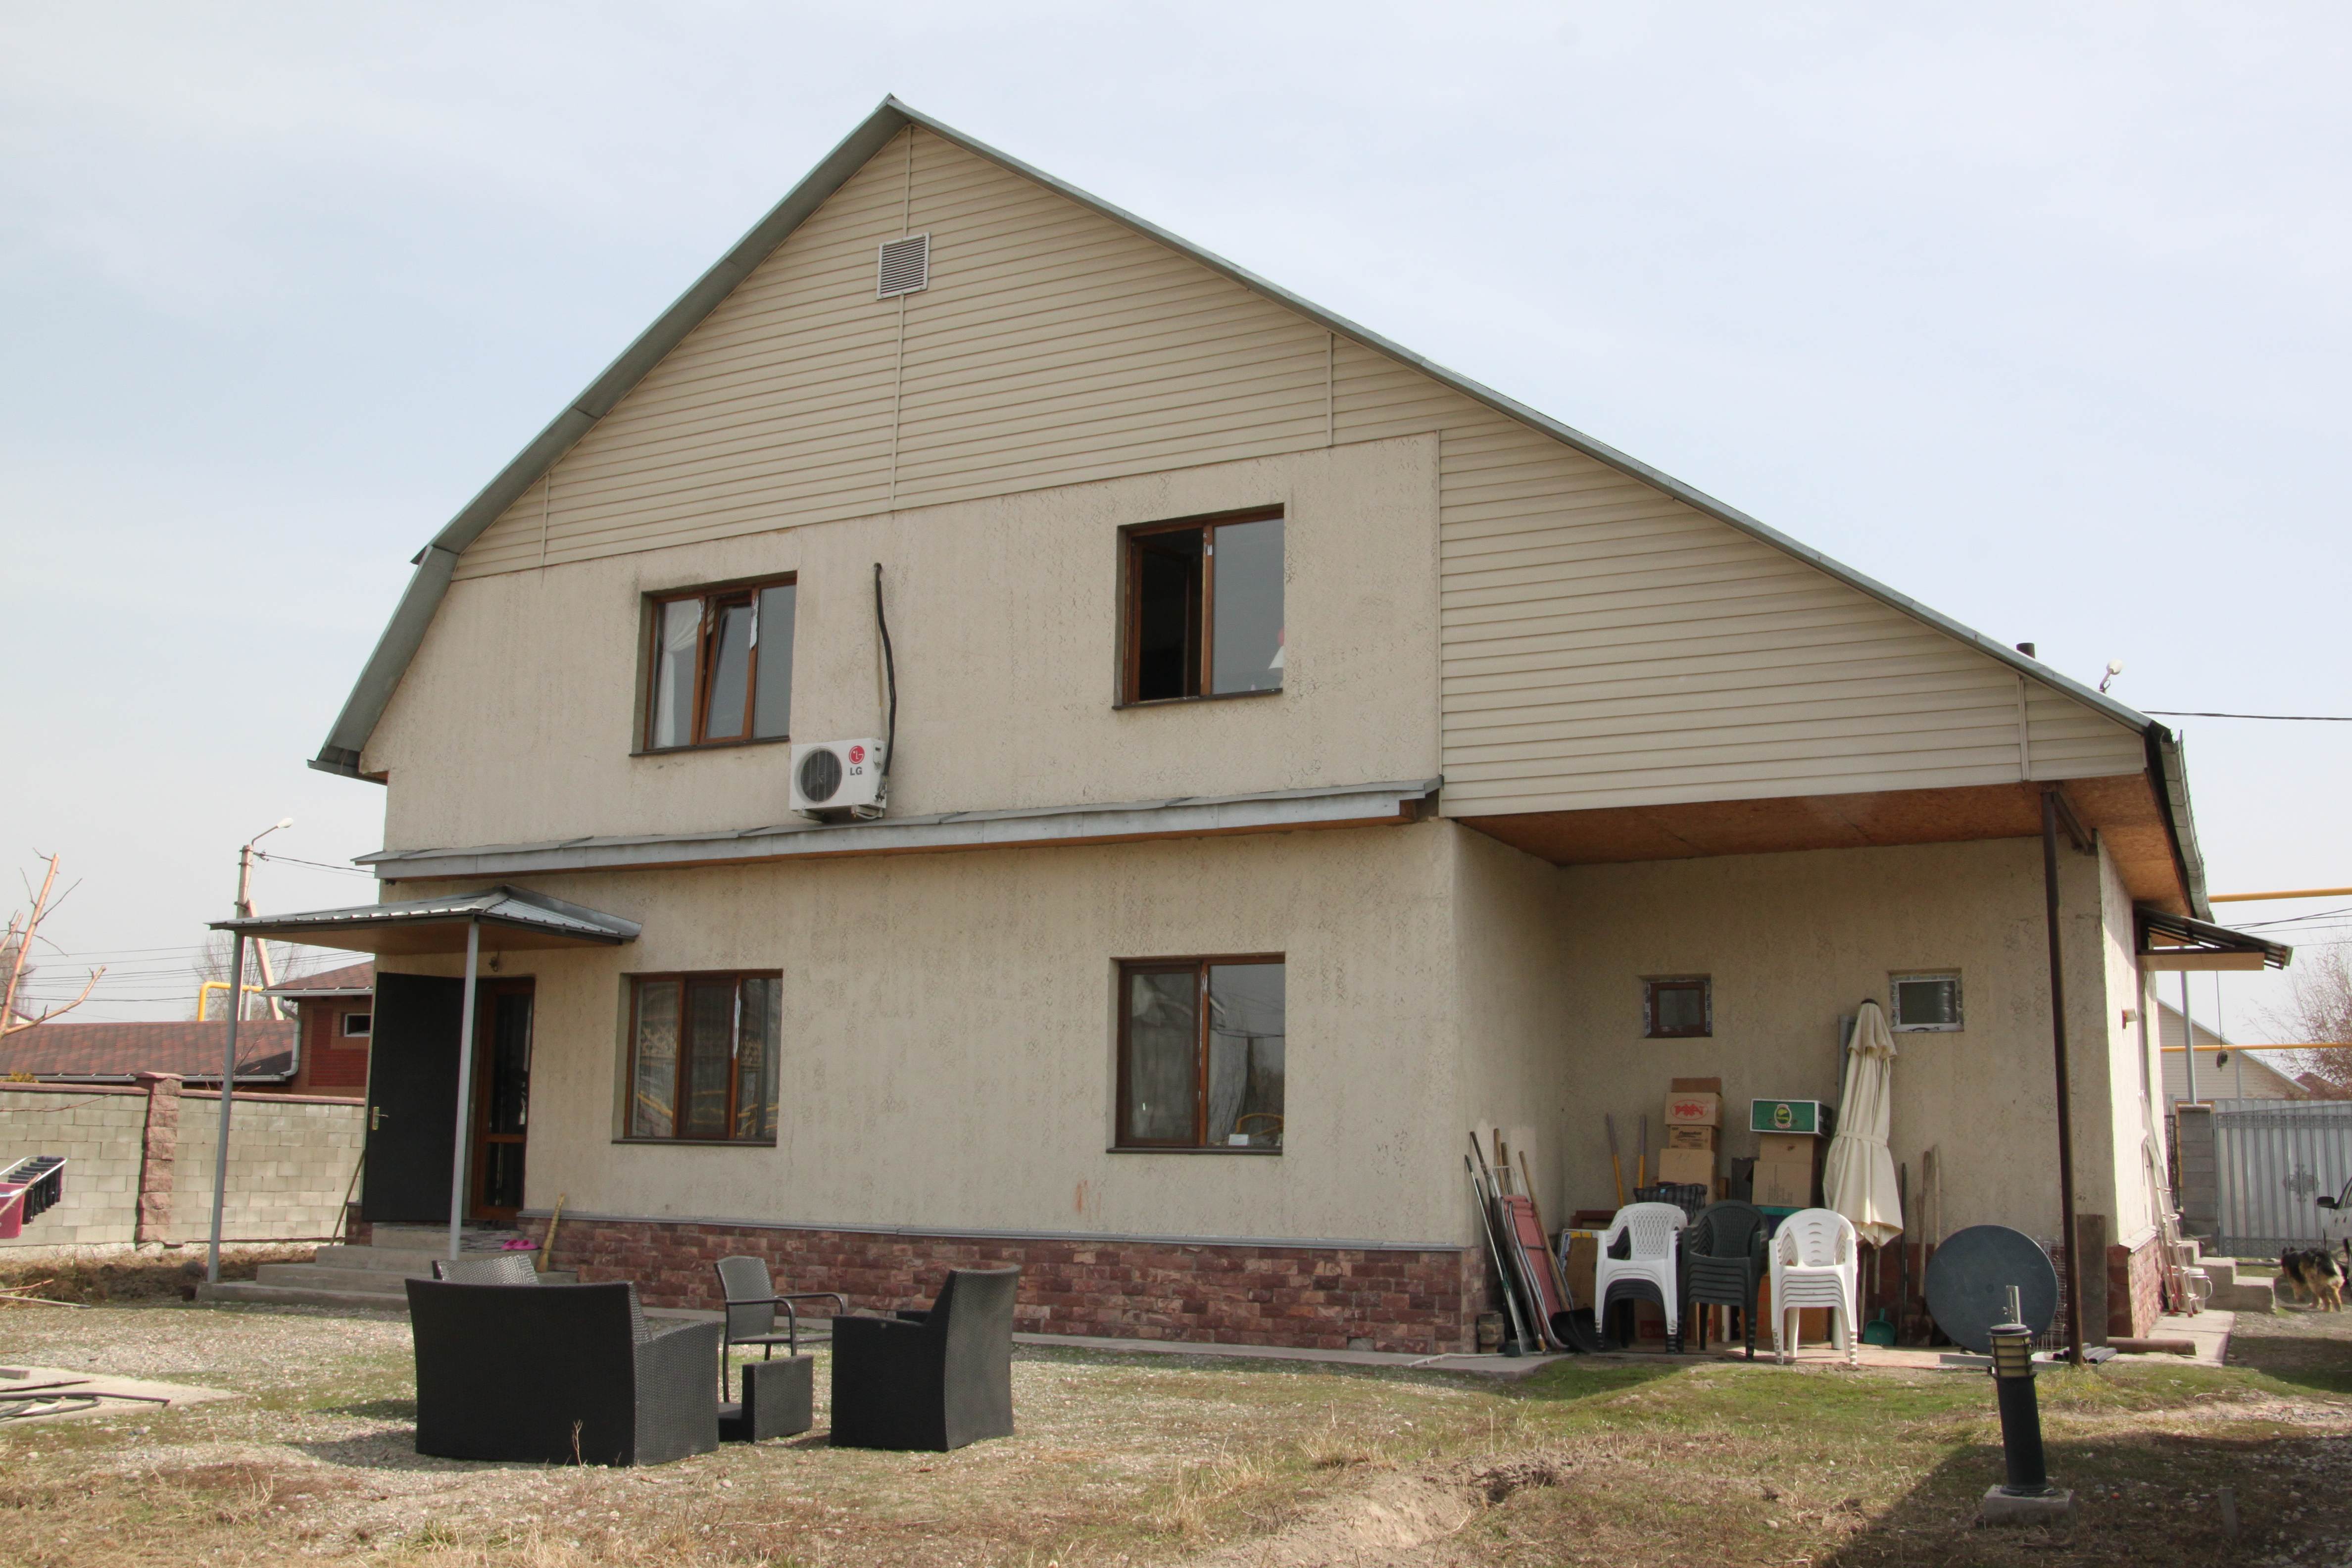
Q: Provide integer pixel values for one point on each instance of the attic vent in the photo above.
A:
(906, 268)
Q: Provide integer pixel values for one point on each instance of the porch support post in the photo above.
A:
(2188, 1036)
(228, 1093)
(465, 1089)
(2066, 1092)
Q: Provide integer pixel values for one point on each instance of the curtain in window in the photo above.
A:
(674, 663)
(651, 1112)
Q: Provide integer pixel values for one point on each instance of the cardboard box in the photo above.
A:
(1784, 1187)
(1687, 1166)
(1781, 1148)
(1695, 1109)
(1690, 1137)
(1698, 1085)
(1583, 1257)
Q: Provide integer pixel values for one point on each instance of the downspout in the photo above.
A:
(2069, 1230)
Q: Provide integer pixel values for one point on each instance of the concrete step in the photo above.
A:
(323, 1277)
(2243, 1295)
(389, 1260)
(2222, 1272)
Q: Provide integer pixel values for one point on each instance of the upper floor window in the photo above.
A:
(722, 666)
(1201, 1048)
(1676, 1008)
(1203, 611)
(702, 1056)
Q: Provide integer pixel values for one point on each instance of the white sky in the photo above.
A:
(2039, 313)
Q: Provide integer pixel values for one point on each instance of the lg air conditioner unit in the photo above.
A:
(838, 779)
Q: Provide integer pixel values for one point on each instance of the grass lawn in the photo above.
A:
(1136, 1459)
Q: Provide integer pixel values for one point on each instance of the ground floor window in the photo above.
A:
(702, 1056)
(1201, 1053)
(1677, 1007)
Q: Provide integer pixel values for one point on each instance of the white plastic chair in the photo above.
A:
(1652, 1229)
(1815, 1263)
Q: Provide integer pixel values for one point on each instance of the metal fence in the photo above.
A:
(2271, 1160)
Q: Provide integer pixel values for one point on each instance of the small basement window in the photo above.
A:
(358, 1026)
(722, 666)
(1926, 1003)
(702, 1056)
(1682, 1008)
(1203, 611)
(1201, 1049)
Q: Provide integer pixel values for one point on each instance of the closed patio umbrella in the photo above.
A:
(1859, 1180)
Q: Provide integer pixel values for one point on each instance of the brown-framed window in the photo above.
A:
(720, 672)
(702, 1056)
(1678, 1007)
(1203, 616)
(1201, 1053)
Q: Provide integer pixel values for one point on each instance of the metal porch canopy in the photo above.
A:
(524, 919)
(2176, 941)
(518, 919)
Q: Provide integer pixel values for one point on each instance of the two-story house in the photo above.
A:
(1295, 753)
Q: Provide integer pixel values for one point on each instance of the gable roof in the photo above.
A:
(352, 980)
(436, 562)
(190, 1051)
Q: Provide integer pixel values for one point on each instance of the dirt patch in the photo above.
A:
(114, 1278)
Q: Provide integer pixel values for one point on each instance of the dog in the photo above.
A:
(2313, 1273)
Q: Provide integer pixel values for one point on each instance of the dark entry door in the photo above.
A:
(411, 1099)
(501, 1098)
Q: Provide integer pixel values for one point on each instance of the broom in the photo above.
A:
(1616, 1166)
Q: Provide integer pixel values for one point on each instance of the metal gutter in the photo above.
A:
(2168, 761)
(1271, 811)
(340, 752)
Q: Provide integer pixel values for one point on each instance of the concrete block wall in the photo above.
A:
(99, 1131)
(290, 1162)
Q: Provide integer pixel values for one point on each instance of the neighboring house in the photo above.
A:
(2223, 1071)
(1301, 754)
(334, 1015)
(118, 1053)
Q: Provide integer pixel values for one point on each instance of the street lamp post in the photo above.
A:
(229, 1051)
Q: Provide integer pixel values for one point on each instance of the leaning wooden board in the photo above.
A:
(1525, 1232)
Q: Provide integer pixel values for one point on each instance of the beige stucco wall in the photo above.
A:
(1795, 941)
(515, 724)
(1512, 996)
(949, 1019)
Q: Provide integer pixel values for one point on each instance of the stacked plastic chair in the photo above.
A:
(1636, 1262)
(1816, 1263)
(1723, 1264)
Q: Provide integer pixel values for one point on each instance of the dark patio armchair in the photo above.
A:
(936, 1379)
(1723, 1264)
(751, 1303)
(489, 1269)
(559, 1375)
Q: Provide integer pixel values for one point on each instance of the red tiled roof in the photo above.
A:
(350, 977)
(265, 1049)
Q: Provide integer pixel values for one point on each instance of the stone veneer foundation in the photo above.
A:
(1328, 1298)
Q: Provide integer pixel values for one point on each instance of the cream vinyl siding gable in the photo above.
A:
(1603, 644)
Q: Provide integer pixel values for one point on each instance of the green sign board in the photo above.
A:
(1793, 1116)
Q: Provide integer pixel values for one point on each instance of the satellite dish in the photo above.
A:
(1968, 1280)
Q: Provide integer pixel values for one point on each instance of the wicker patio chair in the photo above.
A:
(936, 1379)
(558, 1374)
(489, 1269)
